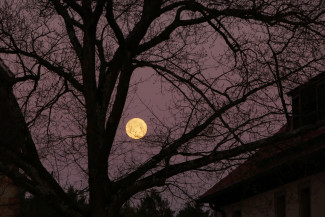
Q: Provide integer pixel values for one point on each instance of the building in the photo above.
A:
(286, 179)
(9, 192)
(9, 198)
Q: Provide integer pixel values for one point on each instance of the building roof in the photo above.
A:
(6, 76)
(320, 78)
(270, 167)
(5, 68)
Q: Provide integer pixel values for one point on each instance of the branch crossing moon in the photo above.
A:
(136, 128)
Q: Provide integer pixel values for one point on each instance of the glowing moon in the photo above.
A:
(136, 128)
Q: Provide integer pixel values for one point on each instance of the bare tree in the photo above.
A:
(227, 63)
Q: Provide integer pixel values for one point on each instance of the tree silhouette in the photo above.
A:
(36, 207)
(154, 205)
(127, 211)
(193, 211)
(226, 64)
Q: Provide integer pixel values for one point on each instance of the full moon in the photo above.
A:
(136, 128)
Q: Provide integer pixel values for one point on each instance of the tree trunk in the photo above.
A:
(97, 166)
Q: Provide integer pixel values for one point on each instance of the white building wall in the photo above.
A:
(263, 204)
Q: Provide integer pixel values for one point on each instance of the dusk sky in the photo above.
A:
(209, 78)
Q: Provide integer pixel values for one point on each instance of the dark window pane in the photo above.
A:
(321, 101)
(296, 112)
(237, 214)
(280, 206)
(305, 202)
(309, 105)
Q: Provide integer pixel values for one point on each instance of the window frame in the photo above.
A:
(301, 187)
(277, 195)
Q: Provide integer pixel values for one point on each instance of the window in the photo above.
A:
(237, 213)
(280, 205)
(321, 101)
(296, 112)
(304, 202)
(308, 106)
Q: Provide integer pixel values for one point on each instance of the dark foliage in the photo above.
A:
(193, 211)
(38, 207)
